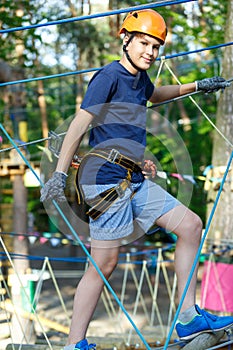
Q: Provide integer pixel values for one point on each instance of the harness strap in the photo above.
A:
(115, 157)
(105, 199)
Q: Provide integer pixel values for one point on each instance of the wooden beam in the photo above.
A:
(7, 305)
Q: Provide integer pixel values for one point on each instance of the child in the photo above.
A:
(112, 182)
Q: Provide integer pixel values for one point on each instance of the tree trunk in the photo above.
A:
(22, 329)
(222, 225)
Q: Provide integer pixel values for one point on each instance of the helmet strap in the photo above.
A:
(127, 54)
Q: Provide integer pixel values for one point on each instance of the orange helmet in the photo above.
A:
(147, 22)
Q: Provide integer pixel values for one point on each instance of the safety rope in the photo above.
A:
(197, 105)
(92, 70)
(57, 289)
(155, 289)
(209, 221)
(98, 15)
(25, 144)
(149, 252)
(160, 268)
(3, 301)
(142, 279)
(224, 344)
(56, 205)
(124, 282)
(70, 227)
(33, 303)
(138, 296)
(26, 295)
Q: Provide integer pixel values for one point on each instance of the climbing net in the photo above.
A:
(144, 277)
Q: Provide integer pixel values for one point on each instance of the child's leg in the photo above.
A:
(192, 320)
(89, 290)
(188, 228)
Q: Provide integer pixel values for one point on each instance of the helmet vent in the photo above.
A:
(135, 14)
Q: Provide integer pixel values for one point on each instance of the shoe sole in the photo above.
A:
(194, 335)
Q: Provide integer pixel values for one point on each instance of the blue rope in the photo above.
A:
(97, 15)
(198, 50)
(198, 253)
(80, 242)
(49, 236)
(90, 70)
(96, 69)
(41, 258)
(50, 76)
(3, 256)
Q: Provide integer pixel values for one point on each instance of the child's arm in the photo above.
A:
(168, 92)
(54, 187)
(206, 85)
(73, 137)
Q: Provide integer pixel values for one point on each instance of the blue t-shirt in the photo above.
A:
(117, 99)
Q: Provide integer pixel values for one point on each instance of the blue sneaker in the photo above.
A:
(203, 323)
(83, 345)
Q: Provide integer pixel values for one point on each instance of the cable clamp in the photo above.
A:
(55, 143)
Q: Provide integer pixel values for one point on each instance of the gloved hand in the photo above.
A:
(212, 84)
(54, 188)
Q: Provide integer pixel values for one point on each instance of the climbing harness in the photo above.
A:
(104, 200)
(115, 157)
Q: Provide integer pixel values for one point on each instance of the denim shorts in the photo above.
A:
(148, 203)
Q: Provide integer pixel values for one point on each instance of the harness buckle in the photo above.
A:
(121, 188)
(113, 154)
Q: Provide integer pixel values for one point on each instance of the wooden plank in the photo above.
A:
(30, 316)
(204, 341)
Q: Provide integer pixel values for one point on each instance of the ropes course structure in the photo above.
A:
(141, 279)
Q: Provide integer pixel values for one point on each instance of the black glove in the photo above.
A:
(212, 84)
(54, 188)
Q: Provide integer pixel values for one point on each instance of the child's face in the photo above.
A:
(143, 50)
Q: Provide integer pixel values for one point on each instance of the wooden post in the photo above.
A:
(22, 329)
(20, 221)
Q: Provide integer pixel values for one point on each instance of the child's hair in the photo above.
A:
(139, 34)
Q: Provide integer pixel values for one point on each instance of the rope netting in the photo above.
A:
(113, 304)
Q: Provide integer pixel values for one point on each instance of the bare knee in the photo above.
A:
(197, 226)
(106, 269)
(106, 262)
(190, 227)
(109, 267)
